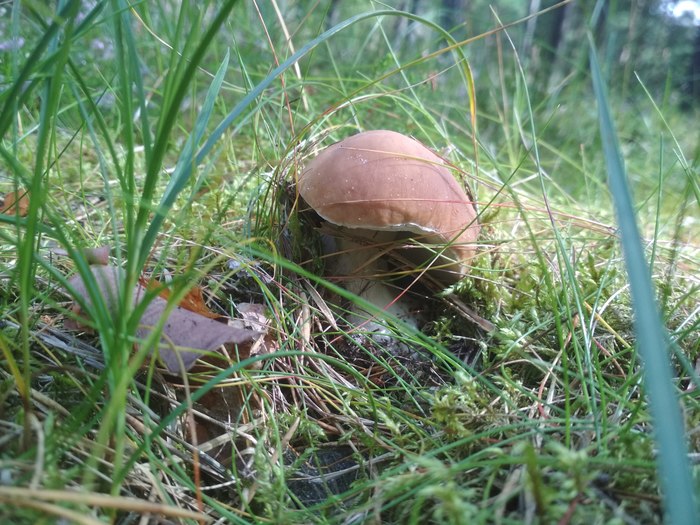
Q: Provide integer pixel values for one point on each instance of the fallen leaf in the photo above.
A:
(185, 336)
(15, 203)
(193, 300)
(253, 315)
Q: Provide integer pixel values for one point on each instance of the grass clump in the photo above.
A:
(174, 134)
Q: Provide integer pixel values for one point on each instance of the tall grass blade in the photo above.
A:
(269, 79)
(165, 126)
(672, 460)
(181, 175)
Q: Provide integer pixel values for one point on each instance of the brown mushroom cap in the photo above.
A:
(382, 180)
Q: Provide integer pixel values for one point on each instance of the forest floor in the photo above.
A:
(157, 147)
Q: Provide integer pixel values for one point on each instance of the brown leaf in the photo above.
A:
(193, 300)
(185, 336)
(253, 315)
(15, 202)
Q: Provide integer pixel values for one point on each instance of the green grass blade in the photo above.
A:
(687, 167)
(181, 175)
(167, 122)
(187, 168)
(269, 79)
(672, 460)
(21, 88)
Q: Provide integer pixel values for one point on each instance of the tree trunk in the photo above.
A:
(691, 86)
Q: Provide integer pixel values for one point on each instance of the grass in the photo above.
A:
(174, 137)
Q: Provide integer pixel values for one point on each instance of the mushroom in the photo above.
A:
(380, 187)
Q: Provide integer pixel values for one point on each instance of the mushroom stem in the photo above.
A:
(362, 267)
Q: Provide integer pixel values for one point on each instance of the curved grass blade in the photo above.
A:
(151, 233)
(672, 461)
(181, 174)
(165, 125)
